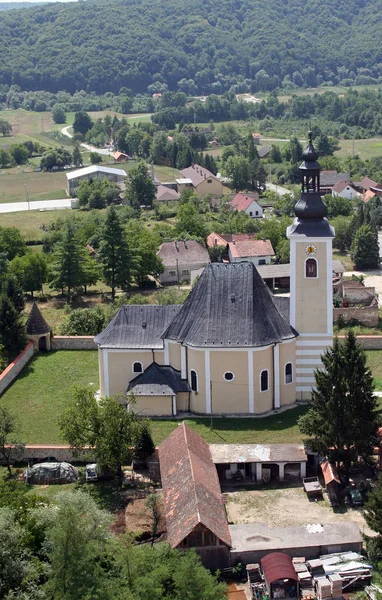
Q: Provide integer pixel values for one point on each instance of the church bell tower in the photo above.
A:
(311, 291)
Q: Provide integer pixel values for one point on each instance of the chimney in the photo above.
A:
(233, 298)
(144, 324)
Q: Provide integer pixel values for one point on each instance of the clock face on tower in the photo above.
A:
(310, 250)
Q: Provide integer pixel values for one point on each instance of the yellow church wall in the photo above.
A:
(196, 361)
(182, 401)
(229, 396)
(174, 355)
(263, 359)
(159, 357)
(311, 313)
(154, 406)
(121, 368)
(287, 390)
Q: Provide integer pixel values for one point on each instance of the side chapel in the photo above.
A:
(232, 348)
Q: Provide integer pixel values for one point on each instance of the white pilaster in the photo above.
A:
(106, 373)
(208, 381)
(183, 362)
(166, 356)
(276, 371)
(329, 286)
(303, 470)
(251, 388)
(174, 406)
(292, 301)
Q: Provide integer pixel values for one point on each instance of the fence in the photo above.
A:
(12, 370)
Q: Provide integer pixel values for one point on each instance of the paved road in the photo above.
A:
(64, 203)
(65, 131)
(281, 191)
(279, 140)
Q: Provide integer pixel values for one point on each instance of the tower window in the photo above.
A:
(137, 367)
(264, 381)
(288, 373)
(310, 267)
(194, 380)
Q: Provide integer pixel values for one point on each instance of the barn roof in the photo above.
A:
(191, 487)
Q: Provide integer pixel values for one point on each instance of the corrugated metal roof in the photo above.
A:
(191, 487)
(137, 326)
(157, 380)
(229, 307)
(95, 169)
(278, 565)
(257, 453)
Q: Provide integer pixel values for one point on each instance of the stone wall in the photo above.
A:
(73, 342)
(35, 453)
(368, 342)
(11, 372)
(367, 315)
(361, 295)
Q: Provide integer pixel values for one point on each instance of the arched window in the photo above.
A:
(288, 373)
(310, 267)
(194, 380)
(229, 376)
(264, 381)
(137, 367)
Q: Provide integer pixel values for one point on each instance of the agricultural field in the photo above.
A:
(363, 148)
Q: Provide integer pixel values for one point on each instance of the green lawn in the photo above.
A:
(43, 389)
(364, 148)
(374, 361)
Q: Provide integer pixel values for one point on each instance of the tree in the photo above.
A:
(343, 417)
(116, 259)
(190, 222)
(95, 158)
(12, 329)
(10, 448)
(365, 248)
(338, 206)
(153, 504)
(30, 270)
(13, 557)
(111, 430)
(59, 158)
(58, 114)
(77, 158)
(342, 227)
(140, 189)
(67, 266)
(5, 127)
(12, 242)
(373, 517)
(97, 193)
(84, 321)
(5, 158)
(237, 169)
(145, 246)
(19, 153)
(11, 288)
(77, 537)
(82, 122)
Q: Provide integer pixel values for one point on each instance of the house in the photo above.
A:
(328, 179)
(247, 203)
(264, 151)
(345, 190)
(367, 196)
(120, 157)
(74, 178)
(259, 252)
(364, 185)
(166, 194)
(201, 180)
(180, 258)
(194, 508)
(241, 350)
(377, 190)
(215, 239)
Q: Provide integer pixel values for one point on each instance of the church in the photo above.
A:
(232, 348)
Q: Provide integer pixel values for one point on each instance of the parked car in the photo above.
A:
(354, 497)
(91, 472)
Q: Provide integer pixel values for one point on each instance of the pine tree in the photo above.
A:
(68, 262)
(343, 417)
(114, 253)
(365, 248)
(13, 291)
(77, 158)
(12, 330)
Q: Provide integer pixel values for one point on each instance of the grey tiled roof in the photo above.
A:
(229, 307)
(158, 381)
(36, 324)
(137, 326)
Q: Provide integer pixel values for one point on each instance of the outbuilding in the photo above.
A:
(280, 576)
(74, 178)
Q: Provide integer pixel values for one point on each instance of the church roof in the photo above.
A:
(158, 381)
(229, 307)
(36, 324)
(137, 326)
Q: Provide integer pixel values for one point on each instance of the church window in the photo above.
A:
(229, 376)
(264, 381)
(194, 380)
(310, 267)
(288, 373)
(137, 367)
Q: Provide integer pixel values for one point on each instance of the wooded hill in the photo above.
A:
(208, 46)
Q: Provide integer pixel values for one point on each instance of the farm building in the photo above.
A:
(74, 178)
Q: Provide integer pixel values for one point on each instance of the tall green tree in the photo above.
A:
(58, 114)
(343, 417)
(12, 242)
(82, 122)
(68, 262)
(30, 270)
(365, 248)
(77, 157)
(237, 169)
(12, 289)
(5, 127)
(140, 188)
(117, 260)
(10, 447)
(12, 329)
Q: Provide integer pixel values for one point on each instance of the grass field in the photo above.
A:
(30, 222)
(364, 148)
(39, 186)
(46, 384)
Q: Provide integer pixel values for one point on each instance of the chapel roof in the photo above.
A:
(36, 324)
(229, 307)
(158, 380)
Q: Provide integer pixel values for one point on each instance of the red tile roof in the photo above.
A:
(241, 202)
(214, 239)
(191, 487)
(368, 196)
(197, 174)
(329, 472)
(340, 186)
(243, 249)
(367, 183)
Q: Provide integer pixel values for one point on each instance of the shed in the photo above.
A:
(332, 481)
(38, 330)
(280, 575)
